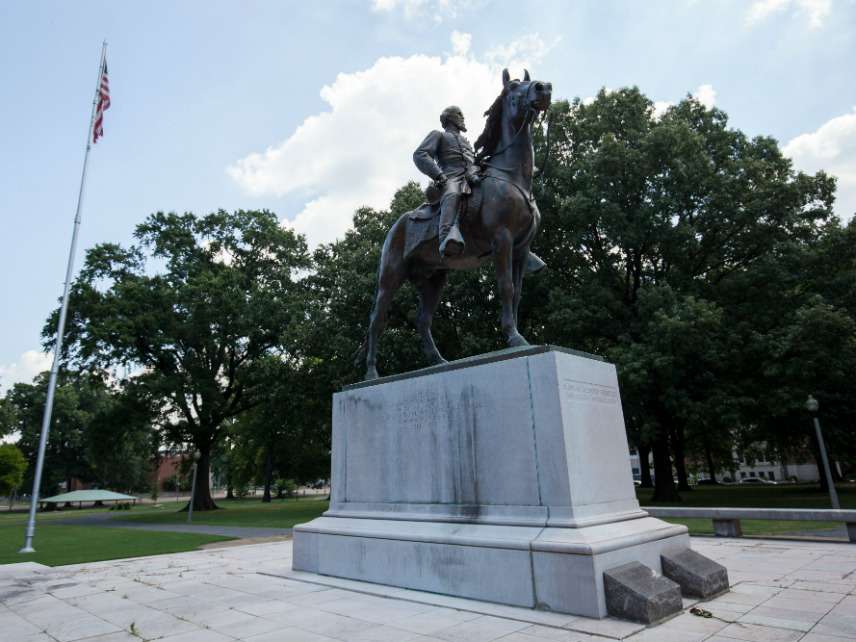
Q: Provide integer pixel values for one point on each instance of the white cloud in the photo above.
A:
(661, 107)
(706, 95)
(461, 43)
(832, 147)
(524, 51)
(28, 365)
(813, 11)
(437, 10)
(358, 152)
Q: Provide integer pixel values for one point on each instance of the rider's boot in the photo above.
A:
(451, 241)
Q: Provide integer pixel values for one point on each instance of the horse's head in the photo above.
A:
(517, 106)
(522, 97)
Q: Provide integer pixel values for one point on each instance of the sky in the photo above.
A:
(313, 109)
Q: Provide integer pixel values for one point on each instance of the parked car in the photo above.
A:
(757, 480)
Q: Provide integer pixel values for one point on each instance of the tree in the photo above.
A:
(79, 398)
(191, 313)
(639, 210)
(283, 438)
(12, 467)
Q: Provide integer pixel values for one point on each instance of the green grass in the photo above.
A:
(280, 513)
(57, 544)
(757, 496)
(755, 527)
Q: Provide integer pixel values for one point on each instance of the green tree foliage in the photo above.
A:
(13, 464)
(283, 438)
(652, 226)
(192, 311)
(94, 435)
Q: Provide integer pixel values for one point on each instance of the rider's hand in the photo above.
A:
(474, 179)
(441, 180)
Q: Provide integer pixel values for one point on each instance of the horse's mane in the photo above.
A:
(487, 143)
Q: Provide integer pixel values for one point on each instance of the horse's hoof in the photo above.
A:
(516, 340)
(371, 373)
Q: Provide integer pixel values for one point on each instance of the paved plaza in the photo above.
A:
(782, 591)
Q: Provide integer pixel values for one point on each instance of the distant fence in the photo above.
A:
(726, 521)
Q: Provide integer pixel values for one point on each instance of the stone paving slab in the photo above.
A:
(781, 591)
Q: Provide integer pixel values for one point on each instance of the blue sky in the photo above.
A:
(311, 109)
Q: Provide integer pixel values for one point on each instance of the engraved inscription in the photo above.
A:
(418, 411)
(582, 391)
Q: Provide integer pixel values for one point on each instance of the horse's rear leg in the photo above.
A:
(430, 289)
(518, 270)
(389, 281)
(503, 247)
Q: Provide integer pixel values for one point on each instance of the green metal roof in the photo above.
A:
(87, 496)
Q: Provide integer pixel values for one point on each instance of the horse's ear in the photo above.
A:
(526, 75)
(506, 77)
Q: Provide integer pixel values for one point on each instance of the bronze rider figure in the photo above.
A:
(449, 160)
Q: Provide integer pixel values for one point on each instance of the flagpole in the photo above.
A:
(46, 418)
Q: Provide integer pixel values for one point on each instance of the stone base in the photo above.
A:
(697, 575)
(635, 592)
(503, 477)
(557, 569)
(727, 528)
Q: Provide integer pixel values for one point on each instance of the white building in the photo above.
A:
(746, 468)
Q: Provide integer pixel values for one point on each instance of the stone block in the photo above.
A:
(503, 477)
(851, 531)
(635, 592)
(697, 575)
(727, 528)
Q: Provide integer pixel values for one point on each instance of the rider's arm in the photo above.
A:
(425, 154)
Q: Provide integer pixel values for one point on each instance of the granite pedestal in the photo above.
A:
(504, 477)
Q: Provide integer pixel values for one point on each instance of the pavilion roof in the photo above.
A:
(87, 496)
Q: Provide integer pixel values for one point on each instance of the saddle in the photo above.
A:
(425, 223)
(425, 219)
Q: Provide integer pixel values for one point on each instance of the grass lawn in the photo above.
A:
(280, 513)
(57, 544)
(756, 496)
(754, 527)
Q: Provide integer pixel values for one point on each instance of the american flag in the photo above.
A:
(103, 105)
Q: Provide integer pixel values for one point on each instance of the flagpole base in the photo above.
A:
(27, 549)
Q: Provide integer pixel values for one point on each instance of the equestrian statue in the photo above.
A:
(480, 207)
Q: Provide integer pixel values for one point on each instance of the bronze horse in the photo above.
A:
(501, 228)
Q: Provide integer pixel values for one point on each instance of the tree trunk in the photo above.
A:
(680, 459)
(268, 474)
(645, 466)
(202, 500)
(711, 468)
(664, 485)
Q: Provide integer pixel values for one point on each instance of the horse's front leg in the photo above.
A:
(503, 247)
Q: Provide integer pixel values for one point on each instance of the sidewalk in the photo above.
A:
(781, 591)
